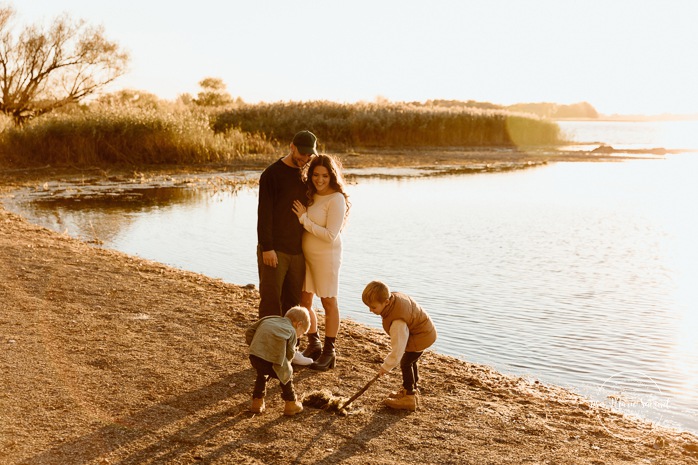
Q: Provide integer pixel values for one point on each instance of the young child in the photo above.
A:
(272, 342)
(411, 332)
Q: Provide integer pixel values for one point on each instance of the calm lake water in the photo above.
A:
(577, 274)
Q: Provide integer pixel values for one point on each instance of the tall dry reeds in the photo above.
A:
(390, 125)
(126, 135)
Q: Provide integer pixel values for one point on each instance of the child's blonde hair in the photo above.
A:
(299, 314)
(375, 292)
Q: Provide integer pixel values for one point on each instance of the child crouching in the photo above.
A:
(272, 342)
(411, 332)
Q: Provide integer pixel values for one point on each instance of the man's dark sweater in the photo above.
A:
(278, 227)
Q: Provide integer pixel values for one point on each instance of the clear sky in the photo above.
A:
(622, 56)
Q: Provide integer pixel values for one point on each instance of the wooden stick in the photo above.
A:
(359, 392)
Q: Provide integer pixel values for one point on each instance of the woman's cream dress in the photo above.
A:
(322, 243)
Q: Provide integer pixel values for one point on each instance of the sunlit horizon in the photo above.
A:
(623, 57)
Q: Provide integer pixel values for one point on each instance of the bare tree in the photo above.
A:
(44, 68)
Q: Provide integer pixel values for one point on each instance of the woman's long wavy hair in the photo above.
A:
(334, 168)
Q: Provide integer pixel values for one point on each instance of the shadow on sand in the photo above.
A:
(122, 431)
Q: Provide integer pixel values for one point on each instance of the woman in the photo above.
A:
(323, 220)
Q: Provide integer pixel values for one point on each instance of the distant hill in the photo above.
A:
(660, 117)
(581, 110)
(462, 104)
(543, 109)
(556, 111)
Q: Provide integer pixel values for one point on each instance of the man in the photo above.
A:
(279, 251)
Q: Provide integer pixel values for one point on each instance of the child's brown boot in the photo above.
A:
(406, 402)
(292, 407)
(397, 394)
(257, 405)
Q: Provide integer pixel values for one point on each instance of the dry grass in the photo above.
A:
(398, 125)
(126, 136)
(325, 400)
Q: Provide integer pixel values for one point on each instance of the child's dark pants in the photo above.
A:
(410, 373)
(265, 370)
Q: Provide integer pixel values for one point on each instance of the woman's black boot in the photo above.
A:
(328, 358)
(314, 348)
(325, 362)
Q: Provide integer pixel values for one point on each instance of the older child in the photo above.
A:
(411, 332)
(272, 342)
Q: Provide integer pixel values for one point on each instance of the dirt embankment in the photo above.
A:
(107, 358)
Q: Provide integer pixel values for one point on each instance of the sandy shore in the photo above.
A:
(111, 359)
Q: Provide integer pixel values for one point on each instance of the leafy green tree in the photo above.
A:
(44, 68)
(213, 93)
(129, 97)
(185, 99)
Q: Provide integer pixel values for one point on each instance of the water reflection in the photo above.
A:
(636, 135)
(102, 216)
(570, 273)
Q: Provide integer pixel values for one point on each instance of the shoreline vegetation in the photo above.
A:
(136, 131)
(107, 358)
(164, 133)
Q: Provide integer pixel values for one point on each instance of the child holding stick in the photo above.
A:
(411, 332)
